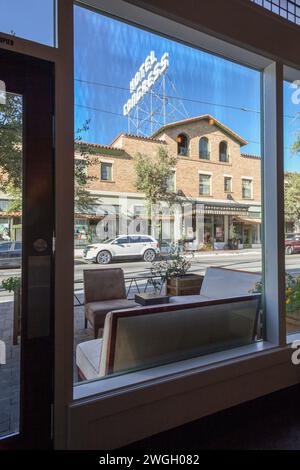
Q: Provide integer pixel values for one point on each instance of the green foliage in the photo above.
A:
(292, 197)
(11, 284)
(84, 200)
(11, 158)
(292, 292)
(176, 267)
(11, 148)
(153, 176)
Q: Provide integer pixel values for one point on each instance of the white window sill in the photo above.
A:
(168, 371)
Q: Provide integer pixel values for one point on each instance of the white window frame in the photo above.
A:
(231, 184)
(247, 178)
(107, 162)
(100, 416)
(206, 173)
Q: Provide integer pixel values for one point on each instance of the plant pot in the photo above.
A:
(190, 284)
(293, 321)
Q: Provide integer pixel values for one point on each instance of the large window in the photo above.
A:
(292, 200)
(29, 19)
(288, 9)
(149, 109)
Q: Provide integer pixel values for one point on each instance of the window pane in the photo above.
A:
(292, 202)
(205, 182)
(106, 171)
(11, 142)
(227, 184)
(175, 136)
(247, 188)
(29, 19)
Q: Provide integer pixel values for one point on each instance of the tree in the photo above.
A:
(11, 158)
(292, 189)
(11, 149)
(292, 197)
(84, 200)
(153, 178)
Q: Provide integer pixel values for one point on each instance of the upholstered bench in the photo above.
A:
(148, 336)
(222, 283)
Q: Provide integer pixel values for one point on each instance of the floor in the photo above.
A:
(10, 372)
(268, 423)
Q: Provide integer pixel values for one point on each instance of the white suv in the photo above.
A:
(123, 246)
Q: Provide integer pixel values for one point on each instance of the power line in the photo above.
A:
(239, 108)
(121, 115)
(208, 103)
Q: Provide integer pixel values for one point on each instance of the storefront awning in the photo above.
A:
(249, 220)
(226, 209)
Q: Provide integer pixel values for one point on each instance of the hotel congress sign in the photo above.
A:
(147, 75)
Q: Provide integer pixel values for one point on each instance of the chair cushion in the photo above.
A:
(88, 358)
(184, 299)
(221, 283)
(100, 309)
(104, 284)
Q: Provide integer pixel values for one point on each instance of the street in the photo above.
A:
(249, 260)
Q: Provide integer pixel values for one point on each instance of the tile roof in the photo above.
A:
(203, 117)
(134, 136)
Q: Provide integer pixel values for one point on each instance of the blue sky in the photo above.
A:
(107, 55)
(29, 19)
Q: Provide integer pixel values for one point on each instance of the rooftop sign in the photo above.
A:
(149, 72)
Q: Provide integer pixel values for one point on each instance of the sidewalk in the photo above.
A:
(78, 253)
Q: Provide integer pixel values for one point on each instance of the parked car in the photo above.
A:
(123, 246)
(10, 254)
(292, 243)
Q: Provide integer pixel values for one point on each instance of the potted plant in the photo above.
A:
(174, 273)
(13, 284)
(292, 301)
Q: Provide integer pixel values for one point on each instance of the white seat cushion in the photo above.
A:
(185, 299)
(2, 353)
(88, 358)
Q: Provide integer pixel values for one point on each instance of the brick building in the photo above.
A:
(222, 186)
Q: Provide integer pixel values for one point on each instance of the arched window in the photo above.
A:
(223, 152)
(204, 148)
(182, 145)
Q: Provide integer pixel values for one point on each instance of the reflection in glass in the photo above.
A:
(11, 117)
(29, 19)
(292, 204)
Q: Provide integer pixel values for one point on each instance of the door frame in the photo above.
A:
(33, 80)
(62, 58)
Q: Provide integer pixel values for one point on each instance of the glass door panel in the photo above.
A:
(11, 149)
(26, 253)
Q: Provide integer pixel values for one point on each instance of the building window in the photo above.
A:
(205, 185)
(204, 148)
(246, 188)
(182, 145)
(223, 152)
(227, 184)
(106, 171)
(288, 9)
